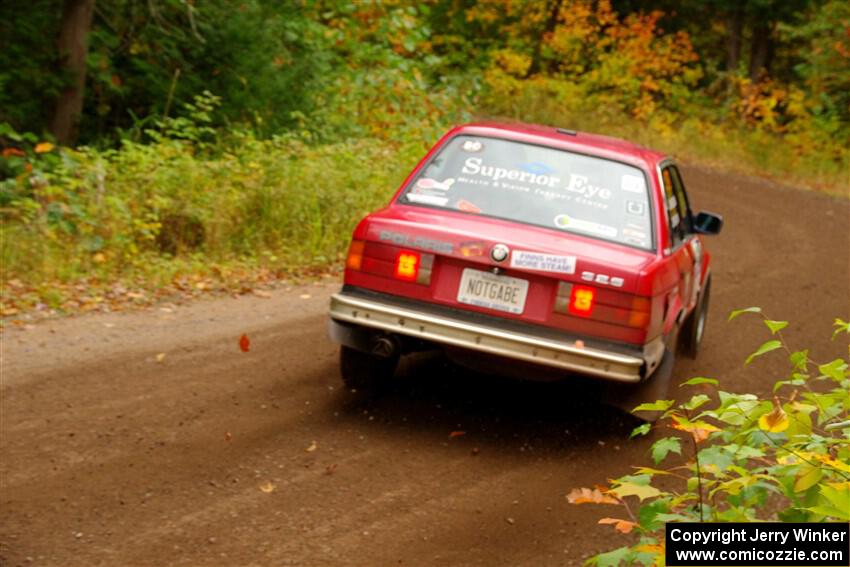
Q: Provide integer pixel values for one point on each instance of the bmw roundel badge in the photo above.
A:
(500, 252)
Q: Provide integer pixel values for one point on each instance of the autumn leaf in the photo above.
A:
(9, 152)
(43, 147)
(313, 446)
(160, 357)
(244, 343)
(589, 496)
(775, 421)
(267, 487)
(699, 430)
(454, 434)
(642, 491)
(622, 526)
(827, 460)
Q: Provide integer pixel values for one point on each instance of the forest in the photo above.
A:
(200, 145)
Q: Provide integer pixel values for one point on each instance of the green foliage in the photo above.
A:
(283, 202)
(792, 451)
(266, 60)
(28, 84)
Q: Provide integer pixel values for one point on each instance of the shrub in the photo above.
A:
(784, 458)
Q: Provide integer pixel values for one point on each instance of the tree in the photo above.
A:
(73, 48)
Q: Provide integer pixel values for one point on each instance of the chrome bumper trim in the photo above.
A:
(584, 360)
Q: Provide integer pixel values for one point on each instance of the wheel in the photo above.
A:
(694, 328)
(364, 371)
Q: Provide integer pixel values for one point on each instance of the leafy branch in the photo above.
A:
(792, 448)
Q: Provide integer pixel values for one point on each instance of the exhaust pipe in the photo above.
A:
(385, 346)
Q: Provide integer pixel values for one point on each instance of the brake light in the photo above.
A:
(581, 300)
(609, 307)
(355, 255)
(407, 265)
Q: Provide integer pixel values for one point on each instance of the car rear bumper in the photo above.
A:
(620, 363)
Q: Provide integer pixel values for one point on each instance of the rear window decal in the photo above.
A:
(476, 166)
(537, 168)
(543, 262)
(435, 200)
(472, 146)
(632, 183)
(427, 183)
(635, 208)
(589, 227)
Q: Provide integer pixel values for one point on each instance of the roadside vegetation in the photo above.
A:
(215, 149)
(738, 457)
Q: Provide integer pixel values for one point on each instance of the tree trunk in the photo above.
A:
(553, 10)
(73, 48)
(760, 50)
(734, 29)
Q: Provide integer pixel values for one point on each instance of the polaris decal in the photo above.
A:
(401, 239)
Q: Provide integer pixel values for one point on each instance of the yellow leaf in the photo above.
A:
(698, 429)
(589, 496)
(160, 357)
(622, 526)
(775, 421)
(834, 463)
(656, 548)
(809, 477)
(642, 491)
(313, 446)
(267, 487)
(43, 147)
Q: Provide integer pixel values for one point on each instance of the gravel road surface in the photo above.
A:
(113, 454)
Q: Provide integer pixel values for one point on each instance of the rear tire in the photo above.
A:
(364, 371)
(694, 329)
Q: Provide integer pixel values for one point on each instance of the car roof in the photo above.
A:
(581, 142)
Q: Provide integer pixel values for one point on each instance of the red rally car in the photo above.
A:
(529, 251)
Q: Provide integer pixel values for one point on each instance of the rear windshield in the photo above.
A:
(537, 185)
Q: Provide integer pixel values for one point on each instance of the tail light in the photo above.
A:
(389, 262)
(581, 300)
(584, 301)
(355, 255)
(407, 265)
(412, 266)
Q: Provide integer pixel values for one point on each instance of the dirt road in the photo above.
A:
(212, 456)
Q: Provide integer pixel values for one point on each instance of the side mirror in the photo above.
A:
(707, 223)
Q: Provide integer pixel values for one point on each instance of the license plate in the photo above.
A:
(502, 293)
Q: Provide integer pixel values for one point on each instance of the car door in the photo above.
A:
(693, 242)
(679, 248)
